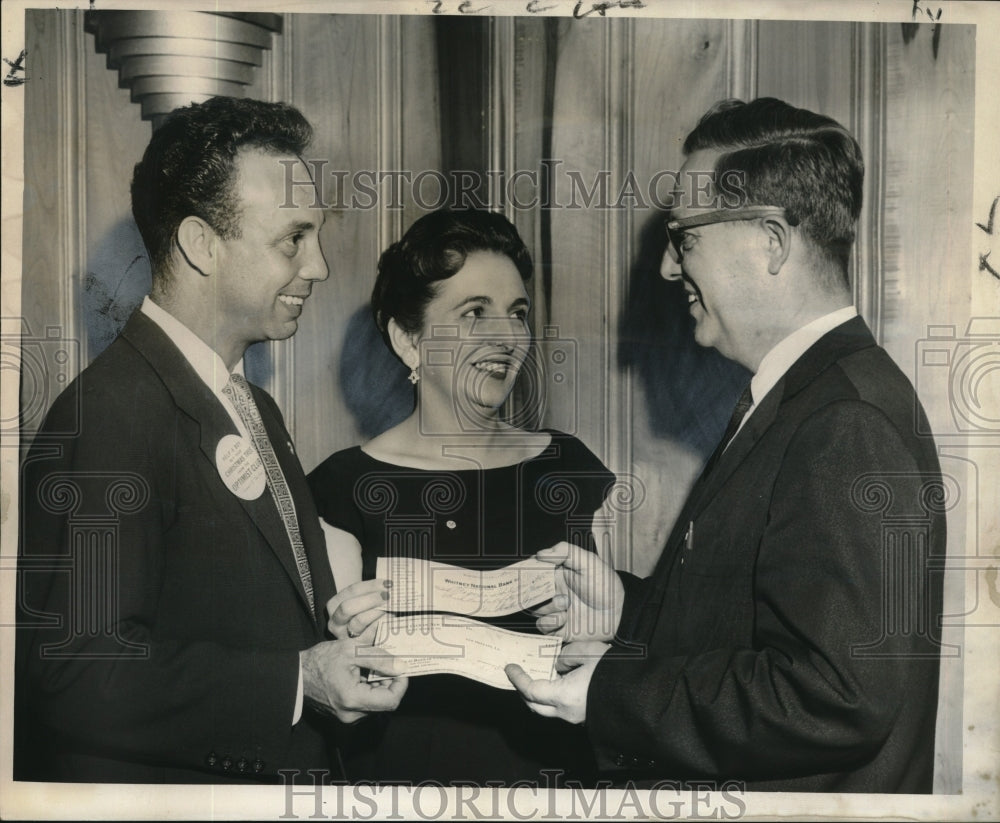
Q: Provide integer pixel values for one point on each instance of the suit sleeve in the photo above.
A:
(97, 670)
(798, 698)
(636, 590)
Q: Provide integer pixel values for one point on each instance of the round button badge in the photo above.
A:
(240, 467)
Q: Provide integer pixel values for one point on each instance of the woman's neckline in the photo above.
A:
(459, 468)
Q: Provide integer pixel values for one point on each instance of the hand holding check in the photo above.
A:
(566, 696)
(354, 609)
(335, 679)
(590, 599)
(586, 610)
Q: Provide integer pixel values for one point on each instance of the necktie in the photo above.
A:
(739, 412)
(238, 390)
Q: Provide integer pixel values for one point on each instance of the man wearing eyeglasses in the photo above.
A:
(787, 637)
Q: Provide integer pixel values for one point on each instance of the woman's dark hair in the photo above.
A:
(435, 248)
(188, 168)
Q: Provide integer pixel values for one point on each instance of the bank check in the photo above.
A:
(449, 644)
(429, 586)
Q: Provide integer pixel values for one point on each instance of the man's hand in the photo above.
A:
(590, 599)
(355, 608)
(335, 679)
(566, 696)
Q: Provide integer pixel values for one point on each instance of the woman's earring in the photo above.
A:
(414, 378)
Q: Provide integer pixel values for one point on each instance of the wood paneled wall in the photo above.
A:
(367, 85)
(595, 97)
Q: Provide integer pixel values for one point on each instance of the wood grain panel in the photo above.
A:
(807, 64)
(682, 393)
(334, 84)
(928, 270)
(358, 80)
(530, 93)
(929, 142)
(53, 238)
(420, 134)
(586, 112)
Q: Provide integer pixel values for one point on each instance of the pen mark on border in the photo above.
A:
(17, 66)
(988, 228)
(602, 8)
(984, 266)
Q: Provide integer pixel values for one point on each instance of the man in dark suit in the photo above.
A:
(173, 570)
(787, 638)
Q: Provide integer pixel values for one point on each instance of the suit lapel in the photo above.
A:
(197, 401)
(836, 344)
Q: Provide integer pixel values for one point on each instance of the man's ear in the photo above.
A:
(198, 244)
(404, 344)
(779, 242)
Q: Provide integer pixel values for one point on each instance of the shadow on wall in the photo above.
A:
(118, 278)
(373, 382)
(690, 390)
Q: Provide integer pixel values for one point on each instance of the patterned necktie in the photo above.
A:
(238, 390)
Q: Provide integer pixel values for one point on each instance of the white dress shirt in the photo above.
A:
(780, 358)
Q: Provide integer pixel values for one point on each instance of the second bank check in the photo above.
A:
(441, 639)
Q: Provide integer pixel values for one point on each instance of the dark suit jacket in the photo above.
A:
(160, 615)
(791, 642)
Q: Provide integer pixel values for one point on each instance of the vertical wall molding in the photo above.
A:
(501, 128)
(276, 75)
(72, 149)
(619, 116)
(54, 242)
(741, 59)
(868, 107)
(389, 85)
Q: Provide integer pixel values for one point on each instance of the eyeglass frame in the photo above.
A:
(710, 218)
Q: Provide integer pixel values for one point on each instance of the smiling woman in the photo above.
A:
(455, 482)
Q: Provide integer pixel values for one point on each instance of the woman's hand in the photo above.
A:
(357, 607)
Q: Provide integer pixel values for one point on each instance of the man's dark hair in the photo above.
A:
(805, 162)
(434, 248)
(188, 167)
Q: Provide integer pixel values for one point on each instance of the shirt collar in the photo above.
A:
(203, 359)
(780, 359)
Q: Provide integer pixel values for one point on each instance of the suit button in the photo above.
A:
(635, 762)
(650, 763)
(241, 764)
(620, 760)
(227, 763)
(258, 765)
(212, 759)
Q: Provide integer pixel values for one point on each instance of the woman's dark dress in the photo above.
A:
(449, 728)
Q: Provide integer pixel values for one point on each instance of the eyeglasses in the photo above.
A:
(677, 228)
